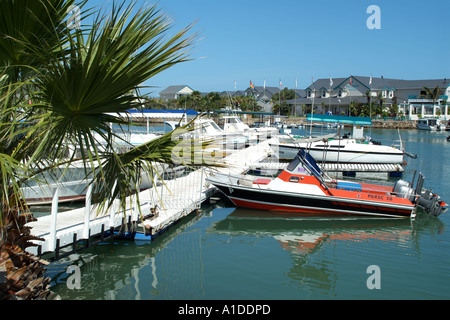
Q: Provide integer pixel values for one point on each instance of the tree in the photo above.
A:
(279, 100)
(379, 106)
(432, 94)
(247, 103)
(214, 102)
(62, 87)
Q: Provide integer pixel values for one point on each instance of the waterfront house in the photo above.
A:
(336, 94)
(174, 92)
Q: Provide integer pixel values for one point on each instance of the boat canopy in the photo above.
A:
(162, 113)
(339, 119)
(257, 113)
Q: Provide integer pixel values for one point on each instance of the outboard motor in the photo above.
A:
(403, 189)
(428, 200)
(431, 203)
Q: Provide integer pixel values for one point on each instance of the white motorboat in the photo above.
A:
(205, 129)
(72, 183)
(430, 124)
(233, 124)
(332, 148)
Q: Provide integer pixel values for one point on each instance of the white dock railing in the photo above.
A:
(163, 204)
(60, 229)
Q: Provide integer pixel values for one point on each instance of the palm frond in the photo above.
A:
(27, 26)
(81, 92)
(120, 174)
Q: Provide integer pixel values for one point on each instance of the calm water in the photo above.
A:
(227, 253)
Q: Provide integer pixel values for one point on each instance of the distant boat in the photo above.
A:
(233, 124)
(447, 127)
(206, 129)
(336, 149)
(430, 124)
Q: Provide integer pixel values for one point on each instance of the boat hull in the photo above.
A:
(264, 199)
(287, 151)
(426, 128)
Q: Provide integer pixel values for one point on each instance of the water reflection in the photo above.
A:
(304, 237)
(132, 270)
(305, 233)
(174, 265)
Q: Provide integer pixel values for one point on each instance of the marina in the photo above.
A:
(131, 172)
(223, 252)
(163, 205)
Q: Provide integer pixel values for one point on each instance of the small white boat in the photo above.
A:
(72, 184)
(234, 124)
(336, 149)
(206, 129)
(332, 148)
(430, 124)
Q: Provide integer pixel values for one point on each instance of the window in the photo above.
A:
(391, 94)
(294, 163)
(308, 93)
(340, 93)
(384, 93)
(324, 93)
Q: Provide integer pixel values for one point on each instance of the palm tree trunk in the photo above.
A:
(22, 275)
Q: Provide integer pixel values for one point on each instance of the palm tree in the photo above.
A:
(62, 87)
(380, 106)
(432, 94)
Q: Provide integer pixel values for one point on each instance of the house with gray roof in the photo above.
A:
(174, 92)
(262, 92)
(336, 94)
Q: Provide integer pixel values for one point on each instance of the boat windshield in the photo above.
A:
(294, 163)
(310, 162)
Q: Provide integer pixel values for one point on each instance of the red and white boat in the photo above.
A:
(303, 188)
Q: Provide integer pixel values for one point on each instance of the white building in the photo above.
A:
(335, 95)
(174, 92)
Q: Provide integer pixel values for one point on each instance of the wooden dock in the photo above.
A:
(161, 207)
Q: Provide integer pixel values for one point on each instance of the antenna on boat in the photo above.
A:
(339, 151)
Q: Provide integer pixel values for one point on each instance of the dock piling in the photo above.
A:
(53, 221)
(87, 212)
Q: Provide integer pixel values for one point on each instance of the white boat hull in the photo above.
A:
(73, 187)
(344, 153)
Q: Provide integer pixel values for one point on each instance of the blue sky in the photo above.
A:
(257, 40)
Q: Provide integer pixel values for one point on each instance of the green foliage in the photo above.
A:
(213, 101)
(62, 88)
(280, 106)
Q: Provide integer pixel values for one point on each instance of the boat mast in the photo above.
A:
(295, 98)
(312, 109)
(370, 105)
